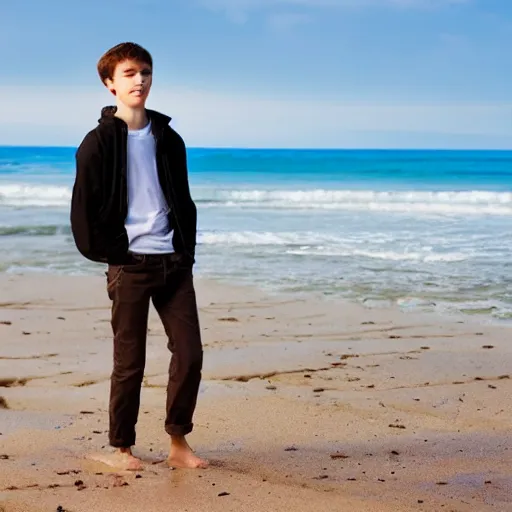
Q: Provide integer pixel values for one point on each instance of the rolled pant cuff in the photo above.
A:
(179, 430)
(116, 443)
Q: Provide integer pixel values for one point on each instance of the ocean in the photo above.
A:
(419, 230)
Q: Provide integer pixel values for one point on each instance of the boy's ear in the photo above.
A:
(110, 86)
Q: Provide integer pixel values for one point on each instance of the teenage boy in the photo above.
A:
(131, 209)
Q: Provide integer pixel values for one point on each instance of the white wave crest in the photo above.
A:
(443, 202)
(315, 244)
(455, 203)
(34, 195)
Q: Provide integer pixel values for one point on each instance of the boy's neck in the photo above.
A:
(136, 119)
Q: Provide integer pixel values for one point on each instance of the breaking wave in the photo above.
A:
(466, 202)
(437, 202)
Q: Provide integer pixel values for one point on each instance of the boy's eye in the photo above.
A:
(129, 73)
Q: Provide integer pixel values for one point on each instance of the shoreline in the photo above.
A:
(377, 304)
(305, 404)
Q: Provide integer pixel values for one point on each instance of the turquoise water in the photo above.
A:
(419, 229)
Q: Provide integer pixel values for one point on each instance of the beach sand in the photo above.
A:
(305, 405)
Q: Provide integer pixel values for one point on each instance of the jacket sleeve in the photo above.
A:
(186, 208)
(189, 206)
(86, 197)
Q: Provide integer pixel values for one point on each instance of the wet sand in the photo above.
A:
(304, 405)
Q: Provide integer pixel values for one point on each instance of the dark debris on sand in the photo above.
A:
(79, 484)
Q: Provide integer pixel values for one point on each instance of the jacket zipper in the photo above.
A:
(124, 178)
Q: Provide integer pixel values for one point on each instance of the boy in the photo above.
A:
(131, 209)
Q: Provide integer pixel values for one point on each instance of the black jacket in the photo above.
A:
(99, 203)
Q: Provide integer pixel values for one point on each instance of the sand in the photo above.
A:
(305, 405)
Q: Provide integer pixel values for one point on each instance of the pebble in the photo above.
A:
(80, 486)
(339, 456)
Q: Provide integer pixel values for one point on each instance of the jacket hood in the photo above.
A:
(108, 116)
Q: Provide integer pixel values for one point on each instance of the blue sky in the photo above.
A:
(269, 73)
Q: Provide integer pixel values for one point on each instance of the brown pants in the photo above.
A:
(168, 283)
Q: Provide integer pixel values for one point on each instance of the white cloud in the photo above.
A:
(58, 115)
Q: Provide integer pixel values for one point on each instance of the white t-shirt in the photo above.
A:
(147, 223)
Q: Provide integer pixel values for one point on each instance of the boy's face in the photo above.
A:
(131, 83)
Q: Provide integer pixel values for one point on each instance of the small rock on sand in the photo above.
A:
(79, 484)
(339, 456)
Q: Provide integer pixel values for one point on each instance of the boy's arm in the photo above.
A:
(86, 197)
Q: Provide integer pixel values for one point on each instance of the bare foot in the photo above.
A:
(182, 456)
(122, 459)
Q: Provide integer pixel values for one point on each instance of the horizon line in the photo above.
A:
(286, 148)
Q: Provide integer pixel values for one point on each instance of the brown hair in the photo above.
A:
(119, 53)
